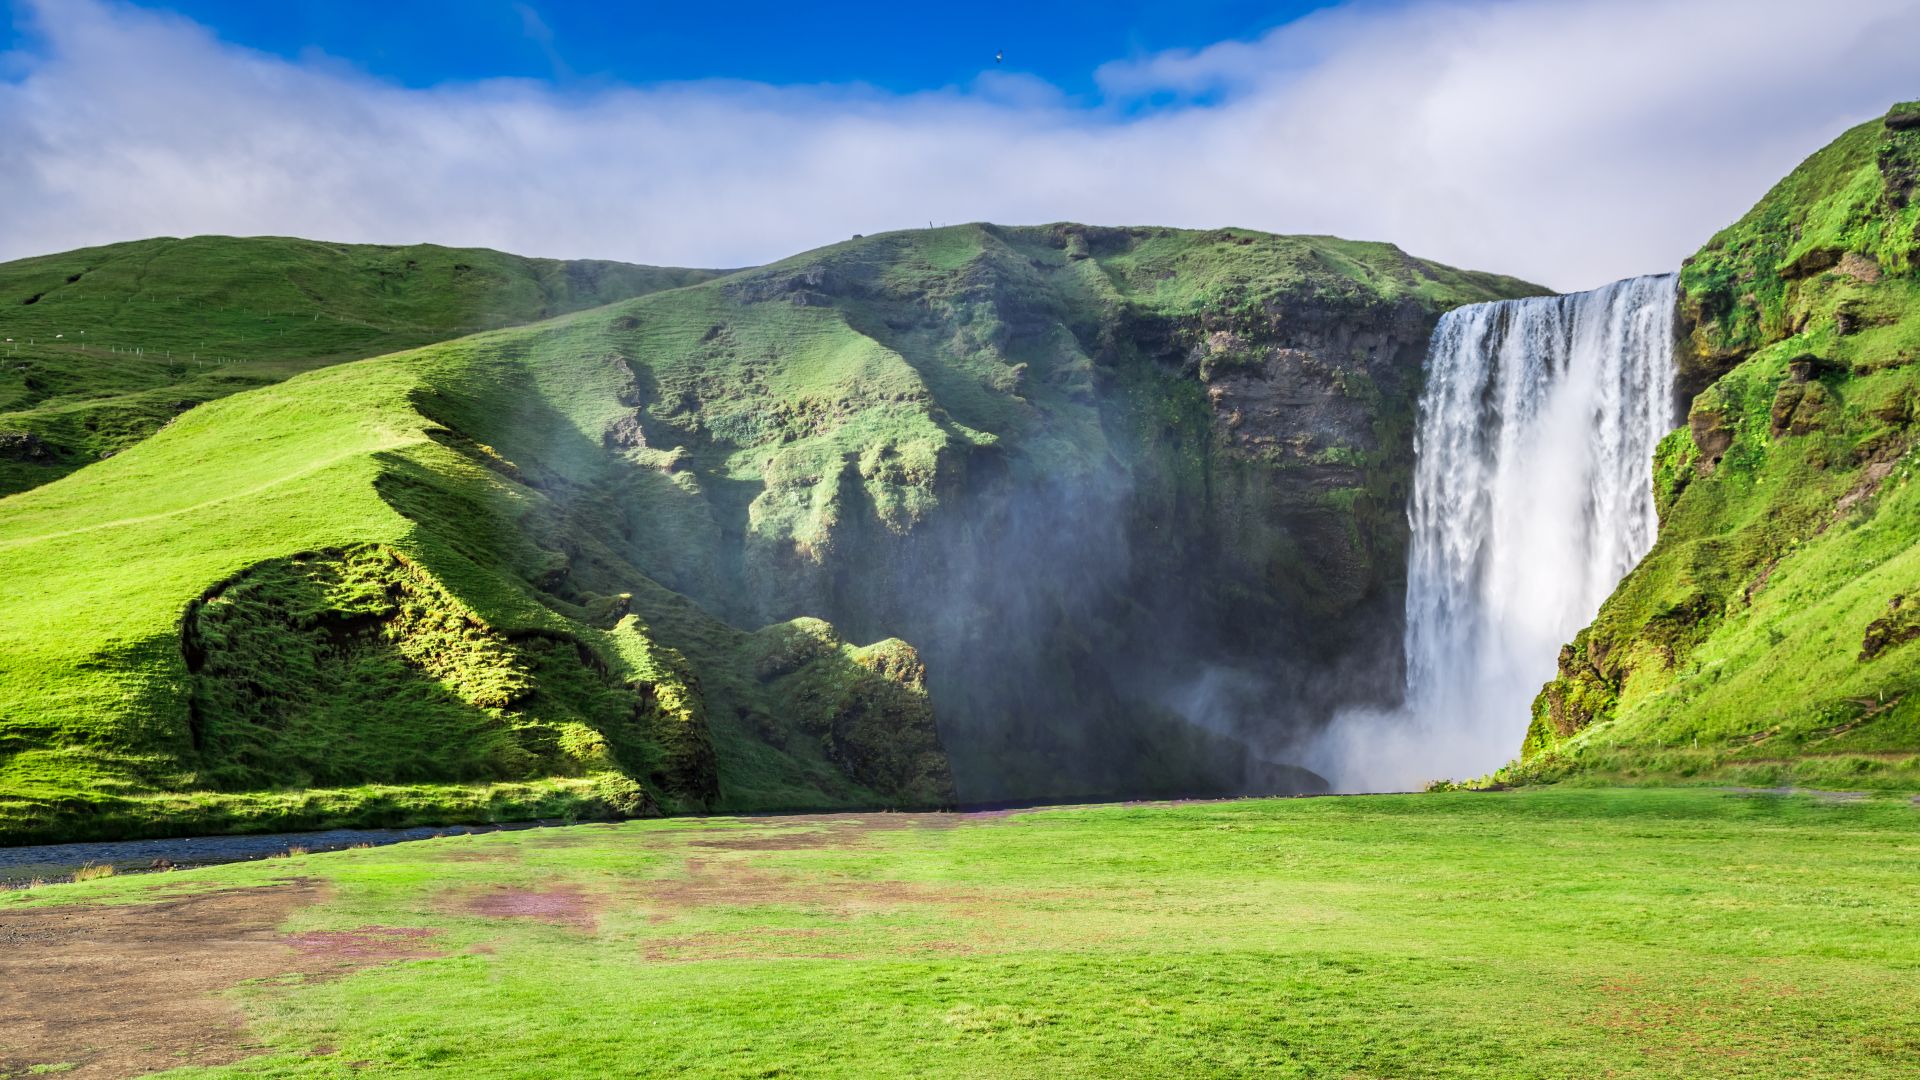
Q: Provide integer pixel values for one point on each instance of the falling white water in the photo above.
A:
(1533, 497)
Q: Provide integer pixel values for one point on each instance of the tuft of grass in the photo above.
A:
(94, 871)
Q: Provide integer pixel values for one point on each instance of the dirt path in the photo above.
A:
(122, 991)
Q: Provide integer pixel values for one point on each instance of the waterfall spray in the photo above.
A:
(1533, 497)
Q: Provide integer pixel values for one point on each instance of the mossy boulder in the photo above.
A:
(1799, 408)
(357, 666)
(868, 705)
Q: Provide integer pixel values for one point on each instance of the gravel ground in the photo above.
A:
(50, 862)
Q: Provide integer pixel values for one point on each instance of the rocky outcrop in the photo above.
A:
(24, 446)
(1898, 626)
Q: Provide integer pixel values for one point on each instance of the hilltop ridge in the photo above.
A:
(106, 344)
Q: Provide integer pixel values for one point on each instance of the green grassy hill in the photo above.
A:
(104, 345)
(1770, 636)
(521, 572)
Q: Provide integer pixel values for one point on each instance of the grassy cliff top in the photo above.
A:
(104, 345)
(1835, 202)
(225, 298)
(1178, 271)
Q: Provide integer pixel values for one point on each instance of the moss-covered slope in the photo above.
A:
(104, 345)
(312, 603)
(1769, 636)
(595, 565)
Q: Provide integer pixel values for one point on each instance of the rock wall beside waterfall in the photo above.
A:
(1769, 636)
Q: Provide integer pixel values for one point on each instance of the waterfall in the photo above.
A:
(1533, 497)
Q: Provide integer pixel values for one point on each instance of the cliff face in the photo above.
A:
(1120, 510)
(1136, 495)
(1768, 635)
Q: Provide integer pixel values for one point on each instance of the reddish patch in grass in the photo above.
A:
(366, 944)
(563, 906)
(786, 841)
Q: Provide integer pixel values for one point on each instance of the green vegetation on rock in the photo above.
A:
(314, 586)
(1767, 637)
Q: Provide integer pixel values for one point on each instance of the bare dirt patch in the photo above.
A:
(562, 906)
(791, 841)
(787, 943)
(733, 883)
(121, 991)
(127, 990)
(368, 944)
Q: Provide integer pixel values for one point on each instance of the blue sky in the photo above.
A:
(1569, 142)
(895, 46)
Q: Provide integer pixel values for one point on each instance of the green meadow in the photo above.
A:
(1543, 932)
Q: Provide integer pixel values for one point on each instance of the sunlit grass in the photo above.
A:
(1548, 932)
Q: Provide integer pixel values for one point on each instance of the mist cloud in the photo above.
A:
(1570, 142)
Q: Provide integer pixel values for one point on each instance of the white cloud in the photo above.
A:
(1571, 142)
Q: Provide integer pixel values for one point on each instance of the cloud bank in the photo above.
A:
(1571, 141)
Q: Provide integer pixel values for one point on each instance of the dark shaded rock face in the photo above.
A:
(1898, 626)
(23, 446)
(1712, 433)
(1806, 367)
(1135, 497)
(1239, 521)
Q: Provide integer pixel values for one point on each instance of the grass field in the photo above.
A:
(1544, 932)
